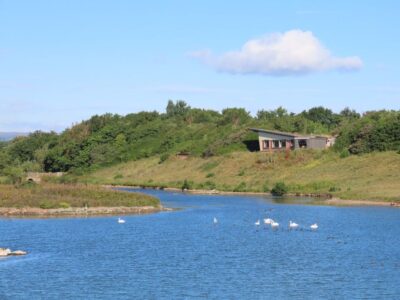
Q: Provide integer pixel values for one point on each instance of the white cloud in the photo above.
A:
(294, 52)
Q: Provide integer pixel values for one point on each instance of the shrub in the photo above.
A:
(207, 153)
(64, 205)
(241, 173)
(209, 175)
(334, 189)
(186, 185)
(279, 189)
(266, 188)
(15, 174)
(209, 185)
(163, 157)
(241, 187)
(47, 205)
(344, 153)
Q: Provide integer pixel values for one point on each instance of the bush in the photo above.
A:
(28, 184)
(209, 175)
(64, 205)
(47, 205)
(241, 173)
(266, 188)
(241, 187)
(334, 189)
(344, 153)
(186, 185)
(279, 189)
(209, 185)
(163, 157)
(15, 174)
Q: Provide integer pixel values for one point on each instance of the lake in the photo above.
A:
(354, 254)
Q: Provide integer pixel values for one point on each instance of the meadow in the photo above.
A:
(372, 176)
(48, 196)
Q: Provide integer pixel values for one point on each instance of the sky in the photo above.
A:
(63, 61)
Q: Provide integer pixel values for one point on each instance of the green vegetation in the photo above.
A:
(186, 185)
(110, 139)
(373, 176)
(279, 189)
(184, 143)
(64, 196)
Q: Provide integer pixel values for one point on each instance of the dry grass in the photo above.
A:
(63, 196)
(374, 176)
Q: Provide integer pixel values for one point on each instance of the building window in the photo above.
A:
(302, 143)
(265, 144)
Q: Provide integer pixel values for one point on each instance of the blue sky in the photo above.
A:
(64, 61)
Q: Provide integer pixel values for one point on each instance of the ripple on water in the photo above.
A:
(355, 253)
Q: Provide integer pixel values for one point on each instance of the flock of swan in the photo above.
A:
(274, 224)
(267, 221)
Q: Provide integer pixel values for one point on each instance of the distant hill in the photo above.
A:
(7, 136)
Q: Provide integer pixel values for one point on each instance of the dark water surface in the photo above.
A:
(178, 255)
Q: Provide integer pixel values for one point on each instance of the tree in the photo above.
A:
(322, 115)
(235, 116)
(15, 174)
(180, 108)
(120, 146)
(349, 114)
(279, 189)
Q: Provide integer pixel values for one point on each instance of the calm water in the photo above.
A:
(178, 255)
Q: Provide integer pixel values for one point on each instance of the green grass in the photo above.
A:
(66, 195)
(373, 176)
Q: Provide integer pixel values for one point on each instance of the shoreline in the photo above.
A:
(35, 212)
(321, 199)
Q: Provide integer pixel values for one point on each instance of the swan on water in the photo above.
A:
(257, 223)
(121, 221)
(274, 224)
(268, 221)
(293, 225)
(215, 220)
(314, 226)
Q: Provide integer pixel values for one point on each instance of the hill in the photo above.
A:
(150, 142)
(373, 176)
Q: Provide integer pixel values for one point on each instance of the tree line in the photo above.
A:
(110, 138)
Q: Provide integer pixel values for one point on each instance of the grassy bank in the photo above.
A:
(373, 176)
(51, 196)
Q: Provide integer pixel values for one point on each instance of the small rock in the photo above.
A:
(8, 252)
(18, 252)
(5, 251)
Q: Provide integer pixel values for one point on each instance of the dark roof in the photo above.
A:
(275, 132)
(289, 134)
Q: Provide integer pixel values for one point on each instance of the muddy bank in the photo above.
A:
(320, 198)
(78, 212)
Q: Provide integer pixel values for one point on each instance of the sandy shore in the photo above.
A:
(321, 199)
(78, 212)
(341, 202)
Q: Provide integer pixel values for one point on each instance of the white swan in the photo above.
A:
(274, 224)
(293, 225)
(314, 226)
(257, 223)
(215, 220)
(268, 221)
(121, 221)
